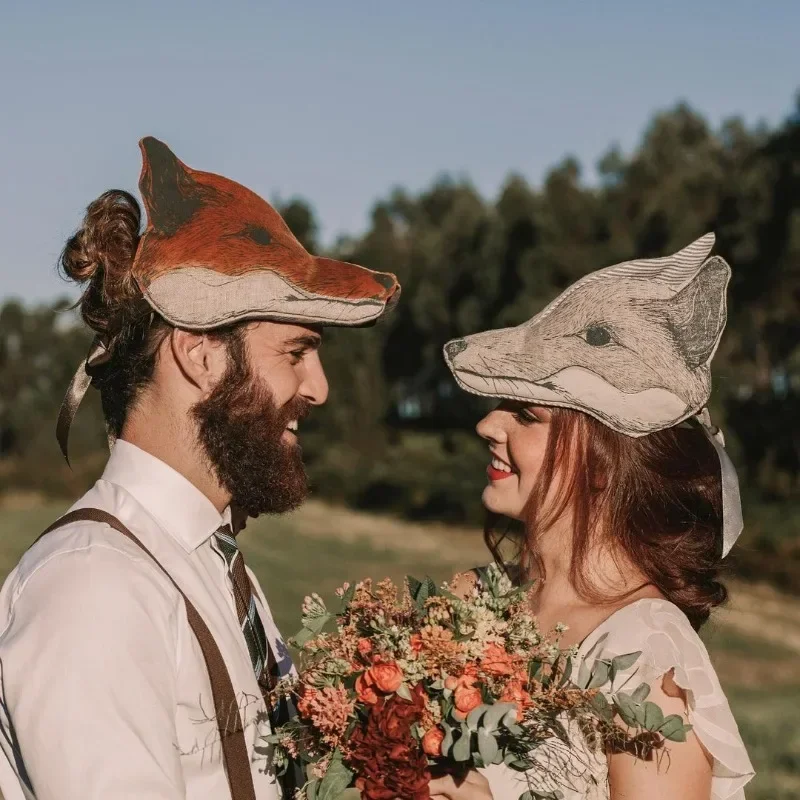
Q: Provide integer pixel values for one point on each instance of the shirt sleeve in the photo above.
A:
(89, 673)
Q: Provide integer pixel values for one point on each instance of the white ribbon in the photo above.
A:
(732, 521)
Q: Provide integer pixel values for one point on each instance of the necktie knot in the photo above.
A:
(226, 542)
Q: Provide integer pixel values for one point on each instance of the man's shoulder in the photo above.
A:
(88, 550)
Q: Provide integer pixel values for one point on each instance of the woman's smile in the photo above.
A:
(499, 470)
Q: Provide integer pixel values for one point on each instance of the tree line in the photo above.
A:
(396, 433)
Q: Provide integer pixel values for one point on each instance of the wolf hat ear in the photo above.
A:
(675, 271)
(698, 312)
(170, 194)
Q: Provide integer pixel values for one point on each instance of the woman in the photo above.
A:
(603, 453)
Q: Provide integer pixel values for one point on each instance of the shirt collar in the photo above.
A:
(178, 506)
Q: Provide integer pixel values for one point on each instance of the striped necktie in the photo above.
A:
(261, 655)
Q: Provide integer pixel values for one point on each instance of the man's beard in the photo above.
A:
(240, 430)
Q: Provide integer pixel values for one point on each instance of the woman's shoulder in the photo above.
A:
(666, 643)
(656, 628)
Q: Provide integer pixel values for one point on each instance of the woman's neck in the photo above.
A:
(557, 599)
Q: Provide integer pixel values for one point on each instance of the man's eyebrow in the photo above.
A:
(310, 340)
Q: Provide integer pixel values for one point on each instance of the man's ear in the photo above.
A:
(201, 358)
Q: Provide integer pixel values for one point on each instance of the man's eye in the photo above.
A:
(297, 356)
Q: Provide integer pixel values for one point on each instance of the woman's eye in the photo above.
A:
(526, 417)
(597, 336)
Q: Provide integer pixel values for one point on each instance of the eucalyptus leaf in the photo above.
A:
(567, 672)
(350, 794)
(600, 675)
(487, 747)
(584, 675)
(304, 637)
(474, 716)
(462, 749)
(311, 790)
(404, 692)
(598, 644)
(623, 662)
(626, 707)
(510, 718)
(447, 742)
(495, 714)
(653, 716)
(316, 624)
(337, 778)
(641, 692)
(673, 729)
(602, 707)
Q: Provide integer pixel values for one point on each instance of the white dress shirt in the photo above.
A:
(104, 692)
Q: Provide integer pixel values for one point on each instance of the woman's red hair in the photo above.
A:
(657, 500)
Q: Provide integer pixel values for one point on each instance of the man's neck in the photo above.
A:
(174, 442)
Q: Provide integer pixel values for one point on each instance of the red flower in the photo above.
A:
(387, 677)
(496, 661)
(365, 689)
(385, 756)
(516, 693)
(432, 742)
(467, 698)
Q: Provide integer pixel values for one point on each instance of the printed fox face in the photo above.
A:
(213, 253)
(630, 344)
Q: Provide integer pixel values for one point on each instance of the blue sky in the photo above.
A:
(339, 100)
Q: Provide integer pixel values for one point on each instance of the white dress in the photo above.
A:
(667, 641)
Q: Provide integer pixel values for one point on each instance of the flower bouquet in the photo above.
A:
(420, 680)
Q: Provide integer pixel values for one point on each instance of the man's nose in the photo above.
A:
(315, 384)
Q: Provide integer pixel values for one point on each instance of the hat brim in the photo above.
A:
(197, 298)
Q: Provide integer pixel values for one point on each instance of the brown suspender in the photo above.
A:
(229, 721)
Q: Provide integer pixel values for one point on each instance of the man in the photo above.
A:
(136, 652)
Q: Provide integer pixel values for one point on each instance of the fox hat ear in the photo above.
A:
(675, 271)
(170, 194)
(698, 313)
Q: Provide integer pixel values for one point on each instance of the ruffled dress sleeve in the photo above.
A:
(667, 641)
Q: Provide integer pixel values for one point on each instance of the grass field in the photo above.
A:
(755, 641)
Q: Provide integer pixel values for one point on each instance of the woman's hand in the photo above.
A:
(472, 787)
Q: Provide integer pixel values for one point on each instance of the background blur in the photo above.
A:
(489, 155)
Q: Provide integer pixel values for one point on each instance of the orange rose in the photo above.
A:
(364, 689)
(451, 683)
(416, 642)
(387, 677)
(496, 661)
(467, 698)
(517, 694)
(432, 742)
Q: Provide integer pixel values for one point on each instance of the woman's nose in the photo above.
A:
(491, 428)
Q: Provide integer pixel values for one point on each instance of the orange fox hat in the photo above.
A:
(214, 253)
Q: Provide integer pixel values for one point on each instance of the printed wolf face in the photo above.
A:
(214, 253)
(630, 344)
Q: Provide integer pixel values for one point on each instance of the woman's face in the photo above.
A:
(517, 436)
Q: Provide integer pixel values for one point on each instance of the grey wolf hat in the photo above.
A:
(630, 345)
